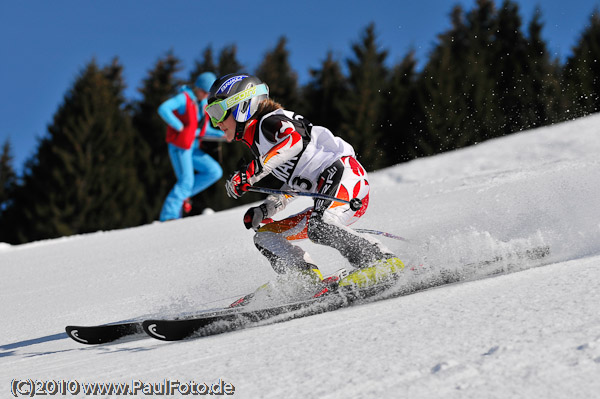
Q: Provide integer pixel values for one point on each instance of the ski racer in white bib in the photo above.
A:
(304, 158)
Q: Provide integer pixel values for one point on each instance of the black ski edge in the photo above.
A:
(101, 334)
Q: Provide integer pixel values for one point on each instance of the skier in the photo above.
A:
(305, 158)
(187, 124)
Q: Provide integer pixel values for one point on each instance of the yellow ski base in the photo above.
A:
(369, 276)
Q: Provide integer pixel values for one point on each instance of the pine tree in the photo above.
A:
(83, 177)
(228, 62)
(363, 115)
(8, 178)
(401, 127)
(324, 95)
(204, 64)
(582, 72)
(153, 165)
(511, 71)
(546, 104)
(454, 84)
(276, 71)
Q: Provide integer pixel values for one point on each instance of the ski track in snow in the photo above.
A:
(533, 330)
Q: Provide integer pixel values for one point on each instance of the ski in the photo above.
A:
(231, 319)
(178, 329)
(238, 316)
(94, 335)
(105, 333)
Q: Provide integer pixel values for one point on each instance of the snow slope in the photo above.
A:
(529, 334)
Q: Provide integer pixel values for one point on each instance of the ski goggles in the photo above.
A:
(219, 110)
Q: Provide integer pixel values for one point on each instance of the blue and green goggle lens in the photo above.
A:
(217, 112)
(220, 110)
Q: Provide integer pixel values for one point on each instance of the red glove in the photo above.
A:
(238, 183)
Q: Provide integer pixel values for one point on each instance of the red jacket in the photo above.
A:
(185, 138)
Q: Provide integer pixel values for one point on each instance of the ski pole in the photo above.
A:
(355, 203)
(214, 139)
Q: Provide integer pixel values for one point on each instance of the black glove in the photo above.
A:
(255, 215)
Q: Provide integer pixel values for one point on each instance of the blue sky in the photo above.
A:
(45, 44)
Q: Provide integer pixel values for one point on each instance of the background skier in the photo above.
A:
(187, 124)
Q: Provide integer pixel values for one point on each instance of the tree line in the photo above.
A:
(104, 165)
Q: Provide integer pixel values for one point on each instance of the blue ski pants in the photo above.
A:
(195, 171)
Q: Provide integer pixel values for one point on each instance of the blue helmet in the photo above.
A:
(205, 80)
(242, 92)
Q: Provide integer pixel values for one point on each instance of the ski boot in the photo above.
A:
(380, 271)
(331, 283)
(187, 206)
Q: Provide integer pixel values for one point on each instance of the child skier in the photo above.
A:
(305, 158)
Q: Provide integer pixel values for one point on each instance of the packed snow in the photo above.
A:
(516, 327)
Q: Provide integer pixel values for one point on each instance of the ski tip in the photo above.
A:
(94, 335)
(73, 333)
